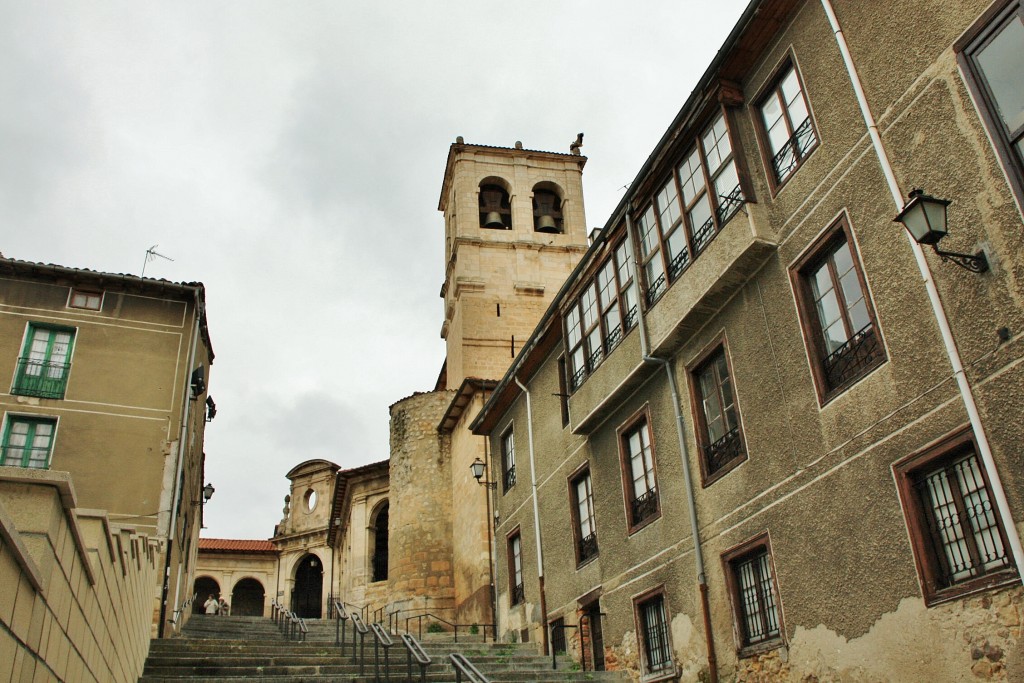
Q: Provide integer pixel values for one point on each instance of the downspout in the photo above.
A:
(966, 392)
(490, 545)
(536, 519)
(177, 488)
(691, 505)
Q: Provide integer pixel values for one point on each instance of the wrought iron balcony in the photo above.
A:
(518, 594)
(729, 204)
(41, 379)
(656, 289)
(577, 378)
(702, 235)
(588, 547)
(794, 150)
(678, 264)
(860, 353)
(630, 320)
(509, 477)
(645, 506)
(723, 451)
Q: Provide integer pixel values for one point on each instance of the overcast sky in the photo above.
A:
(289, 155)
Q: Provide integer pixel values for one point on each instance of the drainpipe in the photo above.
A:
(536, 519)
(698, 554)
(178, 489)
(490, 545)
(966, 392)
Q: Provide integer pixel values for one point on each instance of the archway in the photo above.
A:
(204, 587)
(247, 598)
(309, 583)
(379, 544)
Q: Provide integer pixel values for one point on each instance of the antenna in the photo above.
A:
(150, 255)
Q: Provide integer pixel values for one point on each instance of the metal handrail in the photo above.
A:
(340, 625)
(381, 639)
(454, 627)
(297, 627)
(554, 655)
(360, 629)
(464, 667)
(415, 650)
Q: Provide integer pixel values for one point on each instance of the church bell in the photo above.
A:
(493, 220)
(546, 223)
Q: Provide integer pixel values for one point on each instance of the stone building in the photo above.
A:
(108, 377)
(761, 433)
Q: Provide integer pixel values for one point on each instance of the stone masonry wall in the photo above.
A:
(420, 534)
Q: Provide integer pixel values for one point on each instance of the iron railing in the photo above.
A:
(463, 667)
(859, 354)
(41, 379)
(678, 264)
(794, 150)
(645, 505)
(729, 204)
(473, 629)
(414, 651)
(655, 290)
(702, 235)
(381, 640)
(588, 547)
(518, 594)
(508, 477)
(721, 452)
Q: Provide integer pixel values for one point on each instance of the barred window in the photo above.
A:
(786, 125)
(508, 460)
(719, 434)
(752, 585)
(959, 542)
(639, 475)
(839, 322)
(654, 634)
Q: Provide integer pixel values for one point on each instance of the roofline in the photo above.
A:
(469, 387)
(330, 465)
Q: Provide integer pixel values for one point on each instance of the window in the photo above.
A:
(495, 210)
(638, 469)
(515, 569)
(719, 435)
(839, 323)
(563, 392)
(993, 59)
(786, 126)
(379, 556)
(653, 629)
(85, 299)
(958, 541)
(547, 211)
(45, 362)
(693, 204)
(508, 460)
(584, 522)
(602, 315)
(27, 441)
(749, 577)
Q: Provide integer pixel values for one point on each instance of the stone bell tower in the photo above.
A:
(514, 230)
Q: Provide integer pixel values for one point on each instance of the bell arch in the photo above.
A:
(495, 204)
(547, 208)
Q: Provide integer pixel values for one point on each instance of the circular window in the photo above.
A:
(310, 500)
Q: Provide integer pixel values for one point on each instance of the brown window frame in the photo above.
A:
(87, 293)
(667, 667)
(586, 548)
(639, 421)
(508, 459)
(516, 591)
(599, 338)
(869, 343)
(931, 562)
(651, 221)
(773, 88)
(736, 444)
(754, 548)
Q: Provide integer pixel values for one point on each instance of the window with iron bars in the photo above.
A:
(638, 468)
(839, 320)
(584, 521)
(508, 460)
(750, 580)
(45, 362)
(719, 434)
(957, 535)
(654, 634)
(700, 195)
(786, 126)
(515, 569)
(602, 315)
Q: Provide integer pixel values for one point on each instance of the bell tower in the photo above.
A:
(514, 230)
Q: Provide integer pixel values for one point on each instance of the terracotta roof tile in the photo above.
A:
(235, 545)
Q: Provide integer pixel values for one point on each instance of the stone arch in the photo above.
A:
(378, 541)
(547, 207)
(308, 587)
(494, 197)
(204, 587)
(247, 598)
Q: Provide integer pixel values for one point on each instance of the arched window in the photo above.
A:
(495, 210)
(379, 558)
(547, 210)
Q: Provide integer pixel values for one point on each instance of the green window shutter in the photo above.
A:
(45, 362)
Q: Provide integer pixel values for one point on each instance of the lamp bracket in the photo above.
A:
(976, 263)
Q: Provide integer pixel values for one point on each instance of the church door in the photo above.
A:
(309, 581)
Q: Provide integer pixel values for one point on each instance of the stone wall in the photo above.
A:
(77, 593)
(420, 537)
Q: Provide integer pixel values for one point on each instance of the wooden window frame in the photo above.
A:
(32, 420)
(757, 546)
(708, 477)
(814, 256)
(516, 591)
(639, 420)
(27, 384)
(772, 87)
(719, 217)
(990, 24)
(927, 558)
(88, 293)
(581, 472)
(508, 464)
(668, 670)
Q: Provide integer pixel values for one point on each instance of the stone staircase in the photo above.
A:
(228, 649)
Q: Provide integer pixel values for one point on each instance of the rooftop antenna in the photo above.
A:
(150, 255)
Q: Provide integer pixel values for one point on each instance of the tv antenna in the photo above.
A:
(151, 254)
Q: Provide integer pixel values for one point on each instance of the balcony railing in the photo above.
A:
(678, 264)
(702, 235)
(860, 353)
(645, 506)
(794, 150)
(518, 594)
(509, 477)
(588, 547)
(723, 451)
(656, 289)
(729, 204)
(40, 378)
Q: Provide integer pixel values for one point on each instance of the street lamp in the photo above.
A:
(924, 217)
(477, 468)
(207, 494)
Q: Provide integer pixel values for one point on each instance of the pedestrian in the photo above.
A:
(225, 608)
(211, 605)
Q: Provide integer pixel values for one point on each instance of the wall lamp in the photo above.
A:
(477, 468)
(924, 217)
(207, 494)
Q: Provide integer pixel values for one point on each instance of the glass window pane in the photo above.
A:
(668, 204)
(1002, 62)
(691, 177)
(726, 183)
(648, 232)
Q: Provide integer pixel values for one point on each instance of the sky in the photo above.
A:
(289, 155)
